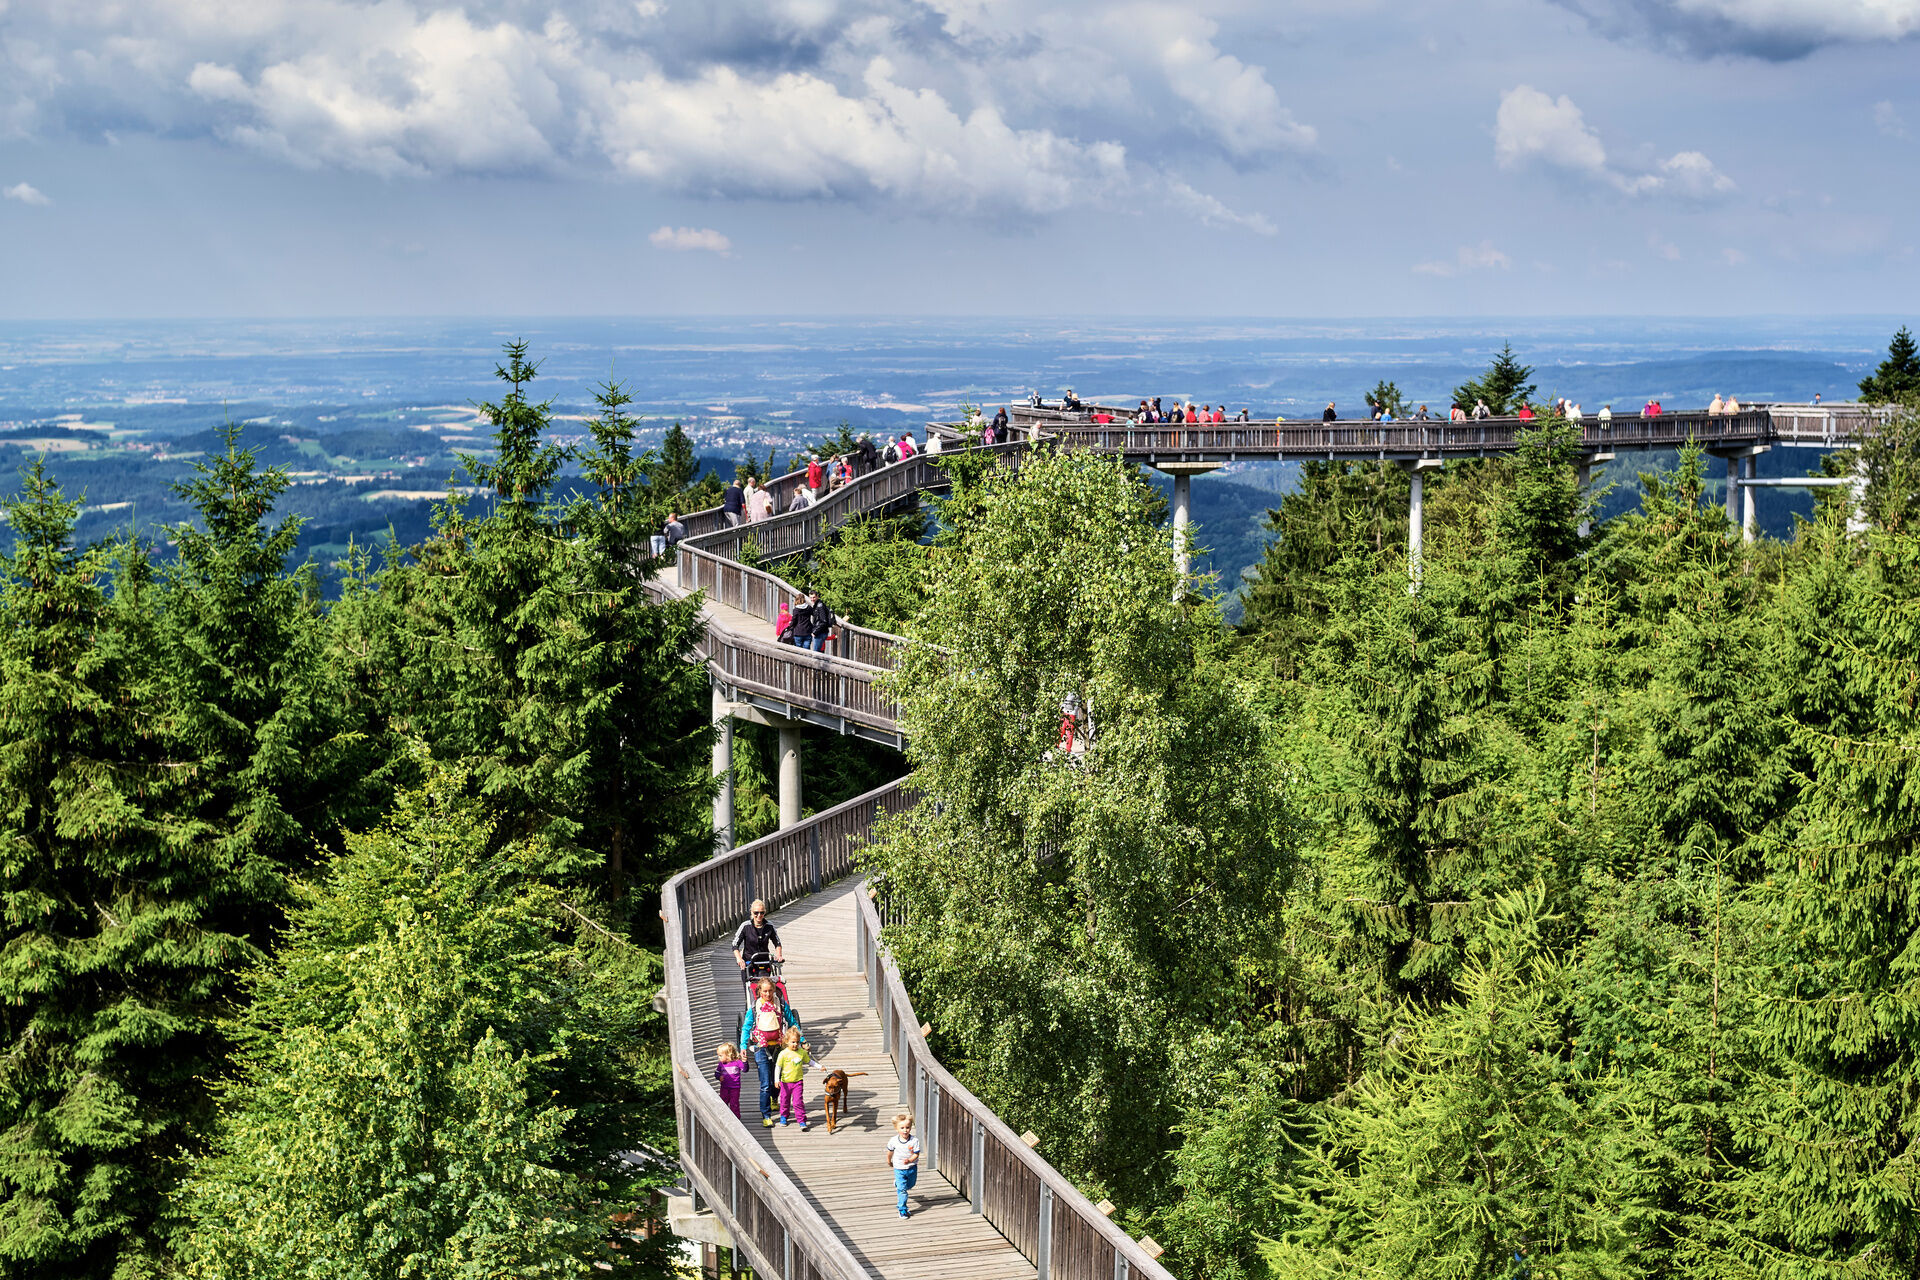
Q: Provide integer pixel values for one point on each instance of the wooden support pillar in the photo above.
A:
(1182, 519)
(790, 803)
(1749, 518)
(723, 770)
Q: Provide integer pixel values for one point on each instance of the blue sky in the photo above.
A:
(1365, 157)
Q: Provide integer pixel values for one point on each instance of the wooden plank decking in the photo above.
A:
(843, 1174)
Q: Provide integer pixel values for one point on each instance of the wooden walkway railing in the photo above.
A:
(1349, 438)
(1045, 1217)
(767, 1215)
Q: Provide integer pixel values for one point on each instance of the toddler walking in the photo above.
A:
(728, 1074)
(790, 1068)
(903, 1157)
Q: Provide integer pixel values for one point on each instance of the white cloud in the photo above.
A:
(798, 136)
(1235, 102)
(1530, 126)
(1480, 257)
(1733, 257)
(1887, 120)
(1776, 29)
(1210, 209)
(1690, 175)
(1664, 249)
(25, 193)
(860, 100)
(1534, 129)
(684, 239)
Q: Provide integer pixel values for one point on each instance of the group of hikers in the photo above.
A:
(771, 1039)
(806, 624)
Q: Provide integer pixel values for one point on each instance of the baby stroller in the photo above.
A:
(787, 1017)
(766, 967)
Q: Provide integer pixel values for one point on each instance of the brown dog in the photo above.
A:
(834, 1089)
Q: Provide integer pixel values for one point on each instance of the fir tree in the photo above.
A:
(431, 1075)
(673, 472)
(114, 969)
(1898, 377)
(1503, 386)
(239, 644)
(525, 645)
(1386, 397)
(1468, 1150)
(1837, 1136)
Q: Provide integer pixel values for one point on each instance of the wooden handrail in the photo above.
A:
(766, 1215)
(1020, 1194)
(1056, 1227)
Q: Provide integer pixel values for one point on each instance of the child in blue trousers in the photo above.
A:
(903, 1157)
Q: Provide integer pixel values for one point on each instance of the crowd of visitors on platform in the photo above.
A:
(747, 500)
(1152, 413)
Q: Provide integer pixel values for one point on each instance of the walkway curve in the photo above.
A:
(792, 1220)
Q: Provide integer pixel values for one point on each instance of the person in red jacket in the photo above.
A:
(815, 476)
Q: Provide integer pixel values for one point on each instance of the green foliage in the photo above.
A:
(1835, 1140)
(1897, 380)
(525, 644)
(1469, 1149)
(403, 1106)
(1386, 397)
(873, 571)
(1891, 460)
(113, 967)
(1503, 386)
(1067, 920)
(1340, 509)
(673, 473)
(181, 747)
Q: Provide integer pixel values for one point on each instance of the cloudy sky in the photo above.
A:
(1226, 157)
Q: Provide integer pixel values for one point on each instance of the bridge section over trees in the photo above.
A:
(816, 1206)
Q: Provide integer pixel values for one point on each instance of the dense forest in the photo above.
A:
(1556, 918)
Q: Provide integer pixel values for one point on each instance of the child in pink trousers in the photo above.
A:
(728, 1074)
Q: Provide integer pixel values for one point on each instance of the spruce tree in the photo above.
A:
(1898, 377)
(523, 642)
(1837, 1136)
(116, 963)
(1468, 1150)
(239, 644)
(673, 473)
(1503, 386)
(435, 1079)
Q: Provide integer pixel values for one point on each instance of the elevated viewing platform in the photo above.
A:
(1795, 425)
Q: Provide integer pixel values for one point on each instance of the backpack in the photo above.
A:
(892, 454)
(766, 1023)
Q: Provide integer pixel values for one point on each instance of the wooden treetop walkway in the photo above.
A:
(840, 1174)
(819, 1206)
(814, 1205)
(1805, 426)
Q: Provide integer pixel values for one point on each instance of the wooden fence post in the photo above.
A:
(1045, 1261)
(975, 1165)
